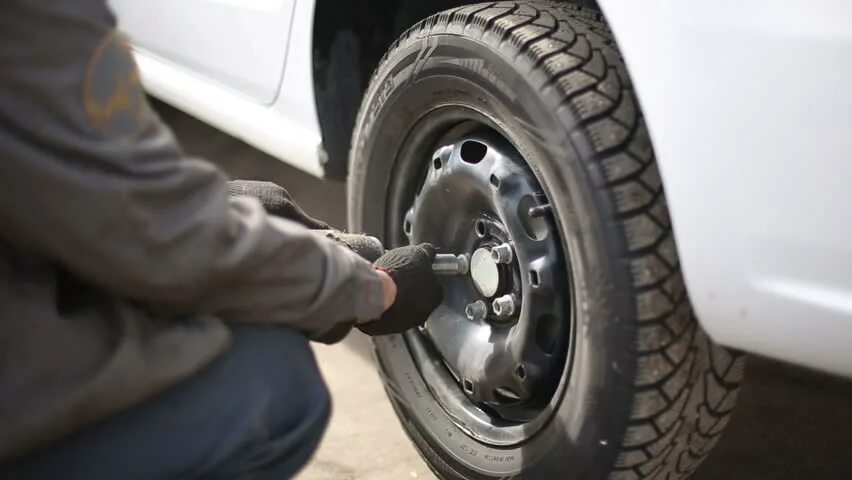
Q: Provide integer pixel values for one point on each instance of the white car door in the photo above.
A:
(237, 44)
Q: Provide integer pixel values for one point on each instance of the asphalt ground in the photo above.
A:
(790, 423)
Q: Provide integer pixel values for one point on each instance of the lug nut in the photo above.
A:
(504, 306)
(502, 253)
(476, 311)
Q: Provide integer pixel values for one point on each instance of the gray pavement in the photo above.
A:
(789, 424)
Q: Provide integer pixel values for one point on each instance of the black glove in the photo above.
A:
(275, 200)
(367, 247)
(418, 293)
(335, 334)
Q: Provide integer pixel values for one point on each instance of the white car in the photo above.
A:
(583, 342)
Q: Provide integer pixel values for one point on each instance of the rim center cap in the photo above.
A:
(485, 272)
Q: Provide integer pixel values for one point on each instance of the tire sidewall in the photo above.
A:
(583, 437)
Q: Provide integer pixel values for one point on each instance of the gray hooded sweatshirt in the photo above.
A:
(122, 260)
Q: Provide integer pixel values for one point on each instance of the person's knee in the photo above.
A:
(258, 411)
(290, 419)
(284, 361)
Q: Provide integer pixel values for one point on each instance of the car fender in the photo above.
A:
(749, 107)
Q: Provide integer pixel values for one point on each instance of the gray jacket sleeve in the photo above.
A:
(91, 178)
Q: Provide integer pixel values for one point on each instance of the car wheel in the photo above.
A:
(509, 133)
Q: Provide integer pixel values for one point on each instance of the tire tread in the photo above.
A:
(685, 385)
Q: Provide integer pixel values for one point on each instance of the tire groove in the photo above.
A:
(617, 134)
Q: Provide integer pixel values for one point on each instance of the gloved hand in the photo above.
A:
(336, 334)
(418, 291)
(367, 247)
(276, 201)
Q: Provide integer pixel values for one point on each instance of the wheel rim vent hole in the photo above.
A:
(535, 281)
(506, 396)
(495, 181)
(521, 372)
(535, 227)
(468, 386)
(437, 163)
(407, 227)
(473, 152)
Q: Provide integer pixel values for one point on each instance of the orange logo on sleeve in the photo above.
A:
(113, 98)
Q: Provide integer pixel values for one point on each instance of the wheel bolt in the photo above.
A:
(476, 311)
(504, 306)
(449, 264)
(502, 253)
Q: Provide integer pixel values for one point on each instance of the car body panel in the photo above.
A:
(274, 112)
(749, 105)
(238, 44)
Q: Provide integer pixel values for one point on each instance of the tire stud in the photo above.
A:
(476, 311)
(502, 253)
(504, 306)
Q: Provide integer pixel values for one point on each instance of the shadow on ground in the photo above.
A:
(790, 423)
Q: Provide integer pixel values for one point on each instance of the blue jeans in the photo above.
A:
(258, 411)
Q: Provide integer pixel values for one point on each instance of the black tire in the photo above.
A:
(648, 393)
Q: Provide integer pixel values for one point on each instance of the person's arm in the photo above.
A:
(91, 178)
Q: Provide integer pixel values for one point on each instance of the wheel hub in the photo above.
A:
(485, 272)
(500, 328)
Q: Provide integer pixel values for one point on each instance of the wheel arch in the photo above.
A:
(349, 40)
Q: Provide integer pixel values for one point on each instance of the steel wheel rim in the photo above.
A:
(512, 405)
